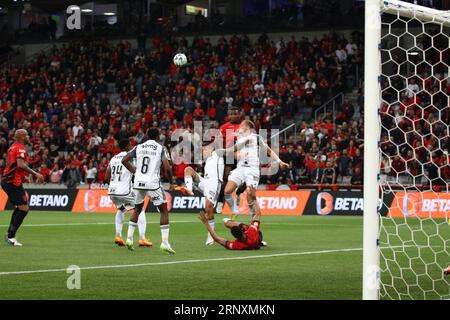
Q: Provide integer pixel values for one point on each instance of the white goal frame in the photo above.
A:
(372, 127)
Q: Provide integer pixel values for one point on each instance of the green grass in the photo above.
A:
(307, 258)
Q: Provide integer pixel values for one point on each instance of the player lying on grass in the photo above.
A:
(246, 237)
(121, 192)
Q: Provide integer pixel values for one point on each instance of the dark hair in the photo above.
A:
(123, 144)
(153, 133)
(233, 108)
(237, 232)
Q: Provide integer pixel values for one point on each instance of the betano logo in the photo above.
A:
(276, 203)
(49, 200)
(329, 203)
(326, 204)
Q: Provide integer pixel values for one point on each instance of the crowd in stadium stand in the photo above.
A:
(415, 114)
(78, 100)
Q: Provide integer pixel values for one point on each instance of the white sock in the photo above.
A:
(189, 182)
(131, 226)
(164, 233)
(230, 201)
(212, 223)
(142, 225)
(119, 222)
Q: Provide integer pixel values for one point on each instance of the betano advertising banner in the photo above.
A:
(96, 201)
(49, 199)
(3, 199)
(286, 203)
(420, 205)
(347, 203)
(322, 203)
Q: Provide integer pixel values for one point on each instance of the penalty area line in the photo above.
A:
(151, 264)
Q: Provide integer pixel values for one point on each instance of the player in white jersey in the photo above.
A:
(249, 145)
(210, 184)
(149, 156)
(121, 193)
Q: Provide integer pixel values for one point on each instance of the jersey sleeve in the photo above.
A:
(19, 153)
(235, 245)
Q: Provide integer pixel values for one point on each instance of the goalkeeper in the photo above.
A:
(247, 237)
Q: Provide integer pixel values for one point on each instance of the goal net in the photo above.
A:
(407, 169)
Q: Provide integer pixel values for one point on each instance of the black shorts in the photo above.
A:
(16, 194)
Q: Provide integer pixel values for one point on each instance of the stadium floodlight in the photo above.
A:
(406, 239)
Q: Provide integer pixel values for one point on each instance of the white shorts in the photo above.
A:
(157, 196)
(210, 189)
(247, 175)
(126, 201)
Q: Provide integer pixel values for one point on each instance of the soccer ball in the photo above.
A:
(180, 59)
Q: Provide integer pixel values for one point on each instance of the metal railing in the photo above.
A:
(284, 131)
(330, 105)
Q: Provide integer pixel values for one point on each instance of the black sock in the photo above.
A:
(16, 221)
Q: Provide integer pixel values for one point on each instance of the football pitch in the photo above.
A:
(307, 258)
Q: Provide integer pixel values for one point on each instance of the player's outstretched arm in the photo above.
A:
(272, 154)
(204, 220)
(126, 161)
(22, 165)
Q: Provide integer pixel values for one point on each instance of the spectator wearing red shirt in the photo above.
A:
(199, 113)
(45, 172)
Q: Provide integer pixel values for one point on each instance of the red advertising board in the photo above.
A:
(420, 205)
(283, 203)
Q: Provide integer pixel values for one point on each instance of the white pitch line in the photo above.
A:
(85, 224)
(185, 261)
(157, 222)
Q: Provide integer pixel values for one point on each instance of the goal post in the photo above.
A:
(372, 101)
(406, 241)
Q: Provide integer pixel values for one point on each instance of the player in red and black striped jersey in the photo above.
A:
(12, 183)
(247, 237)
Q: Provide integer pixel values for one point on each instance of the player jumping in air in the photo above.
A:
(229, 131)
(12, 183)
(248, 165)
(247, 237)
(122, 195)
(149, 155)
